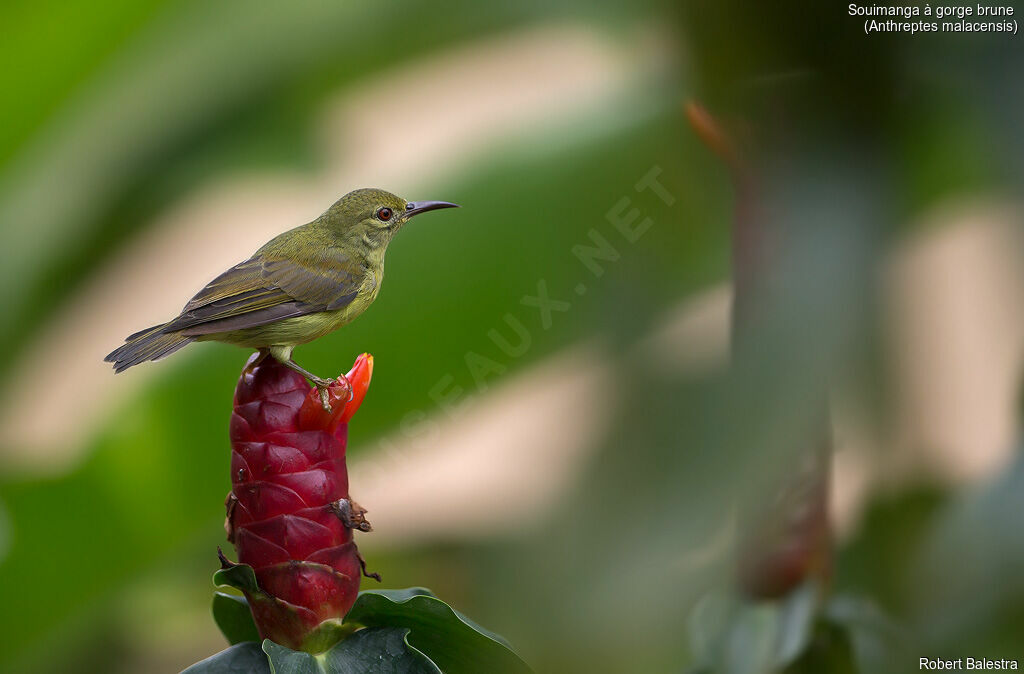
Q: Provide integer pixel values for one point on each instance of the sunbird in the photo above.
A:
(301, 285)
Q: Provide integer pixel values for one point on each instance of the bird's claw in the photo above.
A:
(324, 398)
(323, 388)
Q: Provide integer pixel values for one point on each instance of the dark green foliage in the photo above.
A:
(406, 631)
(231, 613)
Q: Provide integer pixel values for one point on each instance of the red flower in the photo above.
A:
(289, 513)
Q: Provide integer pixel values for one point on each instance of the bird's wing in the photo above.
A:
(261, 291)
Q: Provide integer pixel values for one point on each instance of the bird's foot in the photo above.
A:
(323, 388)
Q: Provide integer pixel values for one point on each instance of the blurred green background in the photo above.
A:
(566, 477)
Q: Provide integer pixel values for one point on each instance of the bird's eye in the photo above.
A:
(384, 213)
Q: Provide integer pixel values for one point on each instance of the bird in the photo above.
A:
(301, 285)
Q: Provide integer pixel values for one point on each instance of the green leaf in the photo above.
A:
(238, 576)
(732, 635)
(875, 640)
(368, 651)
(402, 595)
(797, 614)
(233, 617)
(752, 640)
(708, 625)
(399, 596)
(284, 660)
(455, 643)
(245, 658)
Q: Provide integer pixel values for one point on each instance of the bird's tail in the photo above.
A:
(149, 344)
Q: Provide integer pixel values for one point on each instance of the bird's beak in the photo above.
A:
(416, 207)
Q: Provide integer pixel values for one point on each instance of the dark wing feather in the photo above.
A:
(243, 277)
(251, 319)
(261, 291)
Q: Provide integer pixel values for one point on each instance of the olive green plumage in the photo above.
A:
(301, 285)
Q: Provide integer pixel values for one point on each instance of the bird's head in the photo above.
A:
(371, 216)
